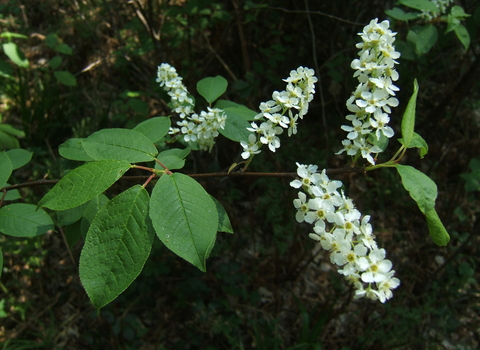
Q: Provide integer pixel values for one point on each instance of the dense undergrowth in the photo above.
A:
(268, 286)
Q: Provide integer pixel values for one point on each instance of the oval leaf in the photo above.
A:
(73, 149)
(117, 245)
(65, 77)
(120, 144)
(83, 184)
(212, 88)
(236, 128)
(421, 188)
(24, 220)
(15, 54)
(172, 158)
(154, 128)
(184, 217)
(19, 157)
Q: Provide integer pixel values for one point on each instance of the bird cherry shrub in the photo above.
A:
(119, 232)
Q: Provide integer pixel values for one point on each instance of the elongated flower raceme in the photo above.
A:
(371, 101)
(340, 229)
(202, 128)
(281, 112)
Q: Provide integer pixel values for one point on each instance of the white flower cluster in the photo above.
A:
(201, 128)
(340, 230)
(370, 103)
(281, 112)
(442, 6)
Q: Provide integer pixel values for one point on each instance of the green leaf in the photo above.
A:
(120, 144)
(8, 129)
(7, 141)
(408, 120)
(65, 77)
(6, 70)
(240, 112)
(117, 245)
(83, 184)
(12, 194)
(421, 188)
(472, 179)
(1, 262)
(15, 54)
(437, 231)
(24, 220)
(417, 142)
(73, 233)
(69, 216)
(64, 48)
(154, 128)
(10, 35)
(5, 168)
(236, 128)
(91, 210)
(73, 149)
(224, 224)
(401, 15)
(172, 158)
(19, 157)
(212, 88)
(420, 143)
(458, 12)
(55, 62)
(184, 217)
(463, 36)
(52, 40)
(236, 110)
(423, 38)
(422, 5)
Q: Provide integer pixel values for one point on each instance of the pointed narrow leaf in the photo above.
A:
(73, 149)
(120, 144)
(184, 217)
(5, 168)
(24, 220)
(437, 231)
(421, 188)
(212, 88)
(224, 224)
(84, 183)
(19, 157)
(154, 128)
(117, 245)
(408, 120)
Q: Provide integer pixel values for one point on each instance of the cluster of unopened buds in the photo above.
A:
(340, 229)
(281, 112)
(202, 128)
(370, 103)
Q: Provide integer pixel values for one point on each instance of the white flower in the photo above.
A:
(302, 206)
(250, 148)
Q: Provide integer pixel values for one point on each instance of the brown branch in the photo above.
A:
(348, 170)
(315, 13)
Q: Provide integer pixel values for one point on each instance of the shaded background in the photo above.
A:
(268, 286)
